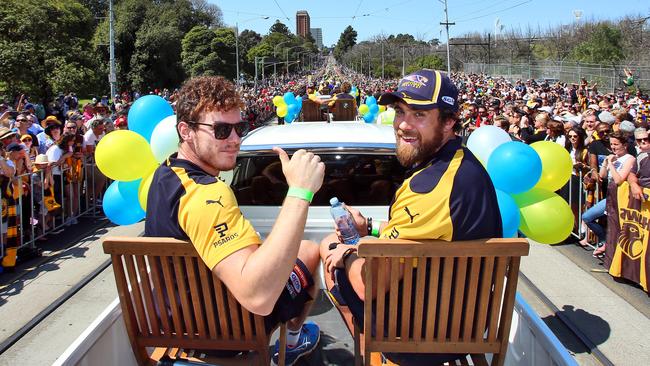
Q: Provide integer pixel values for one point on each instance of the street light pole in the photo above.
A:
(274, 55)
(112, 77)
(382, 59)
(403, 61)
(237, 51)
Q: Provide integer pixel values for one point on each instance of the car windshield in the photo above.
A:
(355, 178)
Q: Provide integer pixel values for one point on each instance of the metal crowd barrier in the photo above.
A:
(581, 197)
(77, 199)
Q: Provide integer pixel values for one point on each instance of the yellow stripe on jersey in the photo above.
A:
(433, 208)
(209, 215)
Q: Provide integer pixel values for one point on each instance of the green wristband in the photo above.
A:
(375, 229)
(301, 193)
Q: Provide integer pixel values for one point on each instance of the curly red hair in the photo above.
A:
(206, 94)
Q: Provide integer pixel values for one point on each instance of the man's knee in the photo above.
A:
(325, 244)
(308, 254)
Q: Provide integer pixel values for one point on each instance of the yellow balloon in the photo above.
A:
(544, 216)
(278, 101)
(382, 108)
(282, 110)
(363, 109)
(143, 190)
(124, 155)
(556, 165)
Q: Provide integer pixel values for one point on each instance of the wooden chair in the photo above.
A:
(344, 110)
(311, 111)
(170, 299)
(467, 305)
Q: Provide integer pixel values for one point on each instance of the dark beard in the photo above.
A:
(408, 156)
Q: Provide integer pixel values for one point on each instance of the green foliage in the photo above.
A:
(31, 62)
(427, 62)
(602, 46)
(279, 27)
(196, 55)
(347, 40)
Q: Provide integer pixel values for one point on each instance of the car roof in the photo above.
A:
(320, 135)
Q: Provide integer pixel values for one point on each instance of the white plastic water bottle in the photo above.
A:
(344, 222)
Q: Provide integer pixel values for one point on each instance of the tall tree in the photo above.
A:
(44, 48)
(603, 46)
(346, 41)
(279, 27)
(197, 56)
(247, 40)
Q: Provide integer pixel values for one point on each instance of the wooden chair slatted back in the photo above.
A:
(345, 110)
(311, 111)
(170, 298)
(440, 297)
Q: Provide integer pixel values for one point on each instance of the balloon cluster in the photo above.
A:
(354, 91)
(370, 110)
(129, 157)
(526, 178)
(288, 106)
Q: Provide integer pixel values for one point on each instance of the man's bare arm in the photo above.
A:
(256, 275)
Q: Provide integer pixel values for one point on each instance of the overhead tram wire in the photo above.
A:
(495, 12)
(354, 15)
(484, 9)
(285, 14)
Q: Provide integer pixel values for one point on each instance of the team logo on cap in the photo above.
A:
(415, 81)
(447, 99)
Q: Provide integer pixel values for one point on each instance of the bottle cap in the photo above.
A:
(334, 201)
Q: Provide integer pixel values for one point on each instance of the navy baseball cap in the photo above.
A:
(424, 89)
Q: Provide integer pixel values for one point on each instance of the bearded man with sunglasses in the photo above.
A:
(270, 277)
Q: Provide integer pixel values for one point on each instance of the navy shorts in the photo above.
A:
(344, 294)
(293, 298)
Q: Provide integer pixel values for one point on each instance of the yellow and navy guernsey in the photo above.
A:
(450, 197)
(187, 203)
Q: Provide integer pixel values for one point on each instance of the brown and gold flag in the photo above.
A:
(627, 235)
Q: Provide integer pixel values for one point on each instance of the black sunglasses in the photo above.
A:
(223, 129)
(643, 139)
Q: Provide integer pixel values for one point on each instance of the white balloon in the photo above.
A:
(485, 139)
(164, 139)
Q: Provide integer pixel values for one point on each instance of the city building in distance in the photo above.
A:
(317, 33)
(302, 23)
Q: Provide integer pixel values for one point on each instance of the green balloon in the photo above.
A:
(363, 109)
(556, 165)
(544, 216)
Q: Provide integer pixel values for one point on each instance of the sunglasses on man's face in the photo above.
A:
(223, 129)
(645, 139)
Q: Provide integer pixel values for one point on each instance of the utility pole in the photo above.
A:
(112, 77)
(447, 24)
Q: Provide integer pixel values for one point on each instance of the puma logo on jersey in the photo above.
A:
(408, 212)
(209, 202)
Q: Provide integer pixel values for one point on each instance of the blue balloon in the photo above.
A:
(292, 109)
(289, 117)
(371, 100)
(146, 112)
(509, 214)
(298, 103)
(289, 98)
(121, 204)
(514, 167)
(369, 117)
(374, 108)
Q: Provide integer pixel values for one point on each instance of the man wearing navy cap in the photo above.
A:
(447, 194)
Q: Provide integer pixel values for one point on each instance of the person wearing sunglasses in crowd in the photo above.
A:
(23, 123)
(187, 201)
